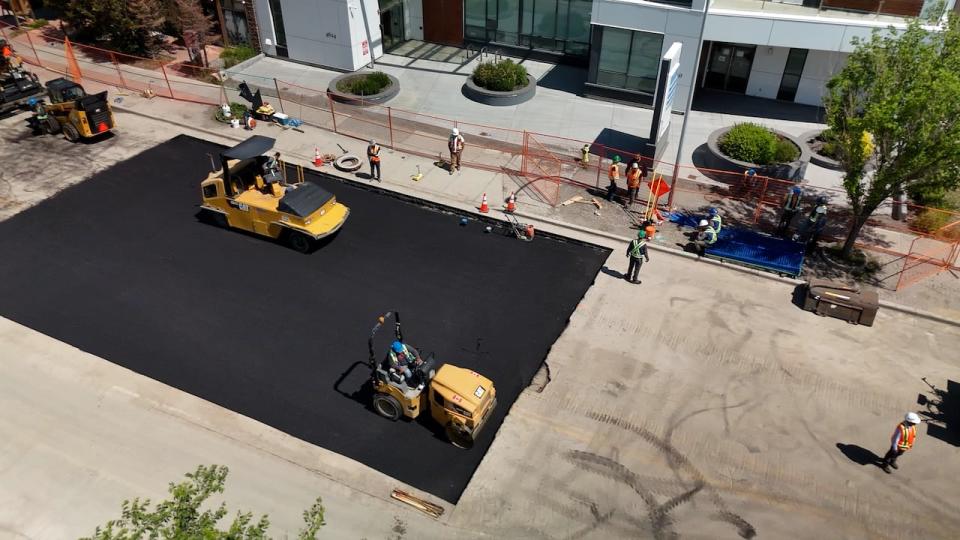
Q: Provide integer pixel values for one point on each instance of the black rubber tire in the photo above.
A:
(53, 125)
(387, 406)
(299, 242)
(348, 163)
(70, 132)
(458, 438)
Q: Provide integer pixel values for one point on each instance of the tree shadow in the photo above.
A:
(859, 455)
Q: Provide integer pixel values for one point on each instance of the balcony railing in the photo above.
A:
(902, 8)
(891, 9)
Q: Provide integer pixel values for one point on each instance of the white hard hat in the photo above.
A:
(636, 165)
(912, 417)
(703, 223)
(373, 142)
(455, 131)
(821, 209)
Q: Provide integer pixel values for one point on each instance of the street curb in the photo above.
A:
(584, 230)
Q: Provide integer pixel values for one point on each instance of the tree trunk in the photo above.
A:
(858, 222)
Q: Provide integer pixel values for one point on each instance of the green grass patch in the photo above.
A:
(365, 84)
(236, 111)
(38, 23)
(232, 56)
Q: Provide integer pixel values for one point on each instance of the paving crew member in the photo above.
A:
(401, 358)
(811, 227)
(706, 236)
(716, 223)
(39, 115)
(636, 250)
(613, 174)
(791, 204)
(455, 145)
(633, 183)
(373, 154)
(585, 156)
(271, 168)
(903, 437)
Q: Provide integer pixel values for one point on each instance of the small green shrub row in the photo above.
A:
(232, 56)
(757, 144)
(38, 23)
(365, 84)
(502, 76)
(930, 220)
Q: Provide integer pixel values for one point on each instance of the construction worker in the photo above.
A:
(633, 183)
(903, 438)
(810, 228)
(455, 145)
(706, 236)
(613, 174)
(585, 155)
(271, 167)
(401, 358)
(791, 204)
(373, 154)
(40, 118)
(716, 223)
(636, 252)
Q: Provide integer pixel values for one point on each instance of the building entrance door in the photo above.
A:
(391, 23)
(443, 21)
(729, 67)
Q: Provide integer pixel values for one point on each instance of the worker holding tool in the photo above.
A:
(401, 358)
(810, 228)
(791, 204)
(636, 250)
(903, 437)
(613, 174)
(271, 167)
(705, 237)
(455, 145)
(373, 154)
(716, 222)
(633, 183)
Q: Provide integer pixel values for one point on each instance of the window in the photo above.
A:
(561, 26)
(279, 33)
(629, 59)
(210, 191)
(437, 398)
(791, 74)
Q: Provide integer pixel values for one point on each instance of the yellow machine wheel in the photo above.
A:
(458, 437)
(387, 406)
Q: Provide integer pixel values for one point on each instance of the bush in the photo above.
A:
(38, 23)
(502, 76)
(236, 111)
(757, 144)
(365, 84)
(930, 220)
(232, 56)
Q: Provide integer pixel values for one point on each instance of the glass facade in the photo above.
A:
(629, 59)
(561, 26)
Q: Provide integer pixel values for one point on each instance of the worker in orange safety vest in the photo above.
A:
(903, 437)
(613, 174)
(633, 184)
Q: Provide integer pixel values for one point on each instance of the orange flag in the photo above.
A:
(73, 69)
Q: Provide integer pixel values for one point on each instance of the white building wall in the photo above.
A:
(767, 70)
(327, 32)
(675, 24)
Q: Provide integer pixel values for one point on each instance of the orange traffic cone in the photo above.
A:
(317, 160)
(511, 203)
(483, 205)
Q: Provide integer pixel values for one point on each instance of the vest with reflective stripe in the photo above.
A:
(716, 223)
(907, 436)
(614, 173)
(635, 248)
(792, 201)
(374, 153)
(633, 178)
(709, 235)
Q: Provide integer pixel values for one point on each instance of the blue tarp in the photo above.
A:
(749, 247)
(759, 250)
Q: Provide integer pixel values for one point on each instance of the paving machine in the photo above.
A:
(459, 399)
(249, 193)
(73, 112)
(17, 85)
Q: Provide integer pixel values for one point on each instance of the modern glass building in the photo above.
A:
(776, 49)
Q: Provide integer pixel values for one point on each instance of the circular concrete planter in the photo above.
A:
(499, 99)
(819, 159)
(794, 171)
(386, 95)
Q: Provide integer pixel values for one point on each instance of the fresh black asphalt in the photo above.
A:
(120, 267)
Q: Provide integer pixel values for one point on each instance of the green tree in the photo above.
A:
(130, 26)
(192, 21)
(895, 111)
(181, 517)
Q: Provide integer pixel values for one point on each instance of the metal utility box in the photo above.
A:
(842, 301)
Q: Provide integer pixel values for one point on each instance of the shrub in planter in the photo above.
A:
(231, 56)
(502, 76)
(930, 220)
(236, 111)
(365, 84)
(756, 144)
